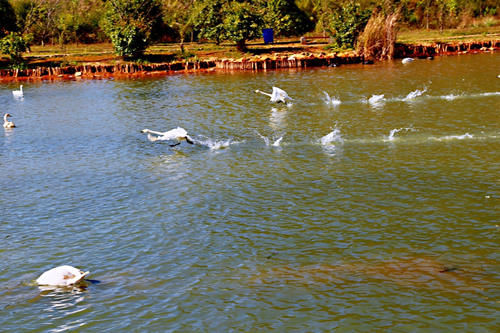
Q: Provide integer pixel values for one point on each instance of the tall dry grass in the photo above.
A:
(379, 37)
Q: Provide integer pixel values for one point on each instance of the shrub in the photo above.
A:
(129, 24)
(14, 45)
(348, 22)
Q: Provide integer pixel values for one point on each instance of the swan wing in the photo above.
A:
(61, 276)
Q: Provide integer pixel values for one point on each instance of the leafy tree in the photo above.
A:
(348, 22)
(129, 24)
(286, 18)
(209, 18)
(241, 22)
(178, 15)
(14, 45)
(7, 18)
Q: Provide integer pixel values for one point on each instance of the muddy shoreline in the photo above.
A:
(254, 63)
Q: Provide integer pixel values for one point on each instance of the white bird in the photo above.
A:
(178, 134)
(407, 60)
(61, 276)
(6, 123)
(278, 95)
(18, 93)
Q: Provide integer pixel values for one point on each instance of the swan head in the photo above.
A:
(257, 91)
(7, 115)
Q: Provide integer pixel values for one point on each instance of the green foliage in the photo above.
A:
(129, 23)
(242, 22)
(14, 45)
(348, 22)
(286, 18)
(7, 18)
(209, 18)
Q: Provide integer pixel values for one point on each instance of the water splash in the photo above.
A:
(450, 97)
(454, 137)
(277, 142)
(415, 94)
(215, 144)
(331, 138)
(374, 99)
(393, 132)
(331, 100)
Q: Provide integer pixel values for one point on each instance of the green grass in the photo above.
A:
(488, 28)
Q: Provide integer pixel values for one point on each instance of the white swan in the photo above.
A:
(18, 93)
(61, 276)
(407, 60)
(6, 123)
(278, 95)
(178, 134)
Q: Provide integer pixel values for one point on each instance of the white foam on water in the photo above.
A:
(496, 93)
(453, 137)
(415, 94)
(376, 99)
(277, 142)
(450, 97)
(265, 138)
(392, 134)
(215, 144)
(331, 138)
(334, 101)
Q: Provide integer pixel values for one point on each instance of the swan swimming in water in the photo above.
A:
(61, 276)
(178, 134)
(18, 93)
(407, 60)
(278, 95)
(6, 123)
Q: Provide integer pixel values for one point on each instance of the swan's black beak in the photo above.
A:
(189, 140)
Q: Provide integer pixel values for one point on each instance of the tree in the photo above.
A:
(178, 15)
(286, 18)
(348, 22)
(209, 18)
(14, 45)
(129, 24)
(7, 18)
(241, 22)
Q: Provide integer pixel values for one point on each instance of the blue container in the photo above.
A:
(268, 35)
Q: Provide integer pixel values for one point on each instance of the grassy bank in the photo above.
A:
(75, 54)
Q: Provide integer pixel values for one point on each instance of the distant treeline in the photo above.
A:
(84, 21)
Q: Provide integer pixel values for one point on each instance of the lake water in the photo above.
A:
(372, 214)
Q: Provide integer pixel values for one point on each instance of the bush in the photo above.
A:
(129, 24)
(286, 18)
(348, 22)
(14, 45)
(241, 22)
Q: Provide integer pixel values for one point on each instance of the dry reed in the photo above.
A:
(379, 36)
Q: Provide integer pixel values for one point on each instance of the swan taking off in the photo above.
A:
(61, 276)
(178, 134)
(278, 95)
(18, 93)
(6, 123)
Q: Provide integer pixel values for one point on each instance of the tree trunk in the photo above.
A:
(241, 46)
